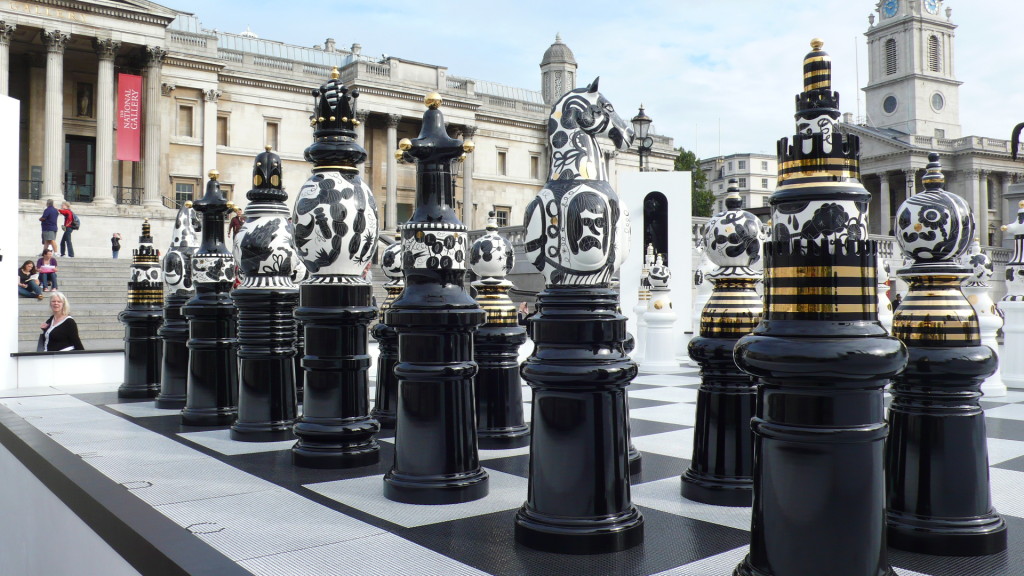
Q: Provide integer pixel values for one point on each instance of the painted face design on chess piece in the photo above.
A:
(980, 263)
(934, 227)
(391, 261)
(734, 239)
(491, 256)
(335, 224)
(262, 247)
(660, 274)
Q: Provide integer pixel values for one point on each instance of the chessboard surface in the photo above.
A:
(249, 503)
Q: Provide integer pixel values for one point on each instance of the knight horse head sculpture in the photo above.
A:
(1015, 139)
(576, 230)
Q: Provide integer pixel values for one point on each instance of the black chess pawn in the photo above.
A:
(937, 487)
(385, 405)
(335, 235)
(143, 349)
(178, 289)
(721, 470)
(266, 299)
(579, 495)
(822, 359)
(436, 457)
(212, 359)
(499, 389)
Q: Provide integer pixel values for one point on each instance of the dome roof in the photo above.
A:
(558, 53)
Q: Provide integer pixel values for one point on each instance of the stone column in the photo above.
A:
(884, 203)
(1004, 189)
(151, 153)
(361, 117)
(982, 212)
(53, 135)
(973, 191)
(210, 98)
(6, 30)
(106, 50)
(391, 210)
(467, 180)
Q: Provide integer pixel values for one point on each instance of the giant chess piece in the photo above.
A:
(299, 275)
(212, 357)
(643, 299)
(335, 235)
(822, 358)
(976, 288)
(499, 389)
(1012, 306)
(178, 288)
(721, 470)
(885, 310)
(436, 456)
(266, 299)
(660, 354)
(937, 488)
(704, 289)
(577, 237)
(385, 404)
(143, 349)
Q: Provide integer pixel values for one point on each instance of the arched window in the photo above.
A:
(934, 54)
(890, 57)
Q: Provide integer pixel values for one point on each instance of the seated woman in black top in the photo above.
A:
(28, 281)
(60, 333)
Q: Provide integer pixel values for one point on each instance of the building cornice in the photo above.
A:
(147, 13)
(194, 63)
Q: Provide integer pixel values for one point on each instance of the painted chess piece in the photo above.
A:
(142, 319)
(976, 289)
(335, 220)
(821, 357)
(299, 275)
(266, 299)
(721, 470)
(178, 288)
(704, 289)
(643, 300)
(576, 236)
(498, 387)
(212, 385)
(660, 354)
(885, 309)
(385, 405)
(436, 456)
(937, 484)
(1012, 305)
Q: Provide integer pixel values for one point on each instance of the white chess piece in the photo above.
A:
(660, 355)
(976, 289)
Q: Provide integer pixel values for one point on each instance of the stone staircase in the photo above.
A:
(97, 289)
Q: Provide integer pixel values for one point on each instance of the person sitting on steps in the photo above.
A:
(28, 281)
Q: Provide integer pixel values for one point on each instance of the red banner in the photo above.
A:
(129, 117)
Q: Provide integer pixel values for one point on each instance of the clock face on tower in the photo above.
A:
(932, 6)
(889, 8)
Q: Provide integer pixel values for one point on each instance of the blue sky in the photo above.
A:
(716, 76)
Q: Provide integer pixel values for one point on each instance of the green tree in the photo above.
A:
(702, 200)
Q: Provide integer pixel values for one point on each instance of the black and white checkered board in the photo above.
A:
(249, 503)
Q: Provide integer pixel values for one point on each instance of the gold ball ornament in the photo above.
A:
(405, 144)
(432, 100)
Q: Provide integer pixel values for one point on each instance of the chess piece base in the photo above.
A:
(432, 490)
(503, 438)
(734, 492)
(978, 536)
(208, 416)
(745, 569)
(329, 457)
(589, 535)
(262, 432)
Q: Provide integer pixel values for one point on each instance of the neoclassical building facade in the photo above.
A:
(213, 99)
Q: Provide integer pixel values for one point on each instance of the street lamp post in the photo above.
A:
(641, 125)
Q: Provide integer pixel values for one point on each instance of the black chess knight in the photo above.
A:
(436, 457)
(822, 358)
(335, 236)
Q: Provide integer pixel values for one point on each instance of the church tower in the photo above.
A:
(911, 86)
(557, 71)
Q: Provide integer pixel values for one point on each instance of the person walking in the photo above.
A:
(115, 244)
(60, 332)
(49, 225)
(66, 248)
(28, 281)
(236, 223)
(47, 266)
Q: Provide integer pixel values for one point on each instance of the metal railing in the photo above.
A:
(30, 189)
(79, 192)
(171, 203)
(128, 195)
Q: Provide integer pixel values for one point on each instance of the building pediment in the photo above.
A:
(86, 12)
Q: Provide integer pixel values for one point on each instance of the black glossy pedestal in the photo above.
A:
(143, 351)
(212, 364)
(385, 405)
(174, 373)
(937, 483)
(579, 495)
(499, 389)
(336, 429)
(266, 333)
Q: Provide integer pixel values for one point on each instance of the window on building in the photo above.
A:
(183, 192)
(764, 183)
(934, 54)
(186, 118)
(503, 162)
(742, 164)
(228, 190)
(766, 201)
(222, 130)
(535, 167)
(940, 133)
(743, 182)
(273, 127)
(890, 57)
(502, 214)
(728, 166)
(764, 164)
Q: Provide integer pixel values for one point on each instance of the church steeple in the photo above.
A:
(911, 86)
(557, 71)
